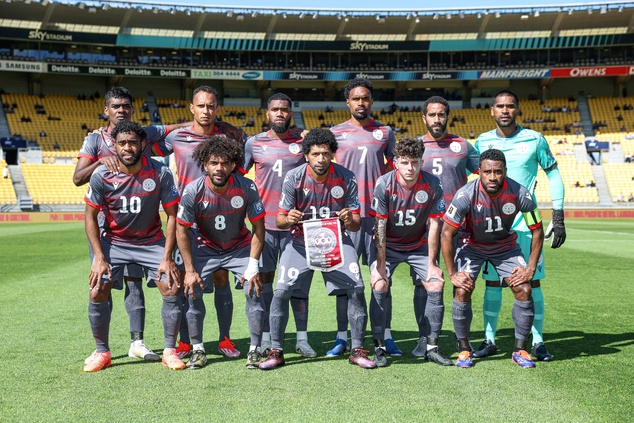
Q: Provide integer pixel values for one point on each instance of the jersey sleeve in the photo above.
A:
(473, 158)
(164, 146)
(156, 133)
(247, 157)
(389, 150)
(438, 205)
(379, 206)
(544, 156)
(169, 193)
(89, 148)
(287, 200)
(528, 206)
(458, 209)
(352, 197)
(186, 215)
(255, 209)
(95, 193)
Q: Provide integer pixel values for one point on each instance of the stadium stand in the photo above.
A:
(7, 193)
(605, 117)
(620, 178)
(52, 184)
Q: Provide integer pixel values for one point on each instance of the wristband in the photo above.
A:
(252, 269)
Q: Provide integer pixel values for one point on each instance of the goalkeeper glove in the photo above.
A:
(556, 230)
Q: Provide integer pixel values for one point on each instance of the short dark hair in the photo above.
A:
(435, 99)
(207, 89)
(507, 93)
(319, 136)
(117, 92)
(409, 147)
(125, 126)
(279, 96)
(358, 82)
(493, 154)
(219, 146)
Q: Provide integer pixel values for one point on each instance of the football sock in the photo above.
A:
(302, 335)
(377, 314)
(198, 347)
(357, 316)
(491, 309)
(388, 333)
(420, 302)
(255, 315)
(434, 313)
(523, 318)
(196, 316)
(279, 317)
(184, 330)
(343, 335)
(171, 313)
(134, 301)
(342, 313)
(462, 316)
(300, 312)
(388, 310)
(538, 321)
(267, 295)
(223, 300)
(99, 317)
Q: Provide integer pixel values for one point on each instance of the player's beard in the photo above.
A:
(280, 128)
(361, 116)
(320, 172)
(220, 184)
(491, 191)
(436, 133)
(134, 160)
(511, 122)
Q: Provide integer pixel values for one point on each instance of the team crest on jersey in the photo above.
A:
(377, 134)
(354, 268)
(521, 261)
(115, 185)
(421, 196)
(479, 207)
(523, 148)
(337, 192)
(294, 148)
(237, 202)
(508, 208)
(455, 147)
(324, 240)
(149, 185)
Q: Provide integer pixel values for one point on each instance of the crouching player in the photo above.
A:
(218, 203)
(488, 206)
(132, 235)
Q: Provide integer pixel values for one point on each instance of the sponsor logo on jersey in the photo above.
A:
(521, 261)
(174, 191)
(528, 195)
(259, 208)
(460, 194)
(306, 191)
(115, 185)
(89, 192)
(375, 203)
(344, 135)
(181, 211)
(421, 196)
(264, 147)
(441, 204)
(479, 207)
(294, 148)
(451, 211)
(377, 134)
(189, 138)
(205, 204)
(149, 185)
(455, 147)
(508, 208)
(337, 192)
(252, 186)
(237, 202)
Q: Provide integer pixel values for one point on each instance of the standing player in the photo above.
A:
(130, 200)
(317, 189)
(525, 150)
(218, 203)
(489, 206)
(99, 149)
(363, 147)
(274, 153)
(447, 157)
(408, 204)
(182, 143)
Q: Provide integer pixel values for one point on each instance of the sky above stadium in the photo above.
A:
(385, 5)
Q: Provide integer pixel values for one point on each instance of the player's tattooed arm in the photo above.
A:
(378, 270)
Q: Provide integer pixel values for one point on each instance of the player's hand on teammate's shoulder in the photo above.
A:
(111, 163)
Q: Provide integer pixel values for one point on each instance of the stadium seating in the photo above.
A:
(602, 110)
(7, 193)
(620, 178)
(52, 184)
(571, 173)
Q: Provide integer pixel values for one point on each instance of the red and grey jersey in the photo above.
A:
(449, 160)
(407, 209)
(131, 202)
(182, 143)
(101, 143)
(488, 220)
(363, 151)
(318, 200)
(273, 158)
(220, 217)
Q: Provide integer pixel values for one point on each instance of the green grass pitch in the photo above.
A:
(45, 337)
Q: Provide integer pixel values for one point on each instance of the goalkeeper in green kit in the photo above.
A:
(525, 150)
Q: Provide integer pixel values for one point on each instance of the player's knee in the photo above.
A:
(435, 286)
(381, 286)
(267, 277)
(522, 292)
(462, 295)
(221, 278)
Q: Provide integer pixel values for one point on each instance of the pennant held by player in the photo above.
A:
(322, 238)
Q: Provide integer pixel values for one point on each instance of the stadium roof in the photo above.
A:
(150, 18)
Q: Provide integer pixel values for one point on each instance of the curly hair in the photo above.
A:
(319, 136)
(279, 96)
(409, 147)
(125, 126)
(217, 146)
(493, 154)
(358, 82)
(436, 99)
(207, 89)
(508, 93)
(117, 92)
